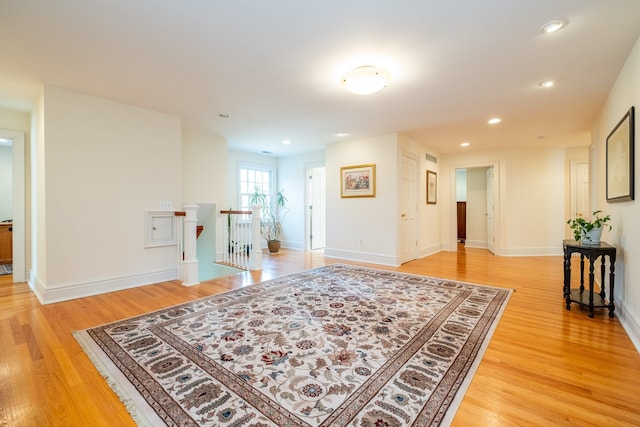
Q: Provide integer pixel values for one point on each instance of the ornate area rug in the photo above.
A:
(335, 346)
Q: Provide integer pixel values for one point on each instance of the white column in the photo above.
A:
(190, 263)
(255, 260)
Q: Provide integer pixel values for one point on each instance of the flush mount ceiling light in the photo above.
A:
(547, 83)
(494, 121)
(465, 144)
(365, 80)
(553, 26)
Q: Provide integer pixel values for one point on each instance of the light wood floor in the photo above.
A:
(545, 366)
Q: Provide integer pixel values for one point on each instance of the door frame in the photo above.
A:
(497, 184)
(19, 204)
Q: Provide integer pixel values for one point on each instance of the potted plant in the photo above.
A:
(270, 224)
(589, 231)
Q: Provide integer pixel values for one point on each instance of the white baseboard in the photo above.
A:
(293, 245)
(555, 251)
(630, 324)
(433, 249)
(48, 295)
(479, 244)
(362, 257)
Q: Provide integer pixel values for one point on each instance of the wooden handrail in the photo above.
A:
(179, 213)
(236, 212)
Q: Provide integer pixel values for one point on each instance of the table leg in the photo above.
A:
(567, 279)
(602, 268)
(582, 273)
(612, 278)
(591, 279)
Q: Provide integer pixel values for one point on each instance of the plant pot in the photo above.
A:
(274, 246)
(592, 237)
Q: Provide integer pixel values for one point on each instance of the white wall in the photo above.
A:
(626, 227)
(293, 180)
(529, 213)
(461, 185)
(430, 235)
(15, 120)
(364, 228)
(204, 167)
(204, 182)
(100, 166)
(534, 201)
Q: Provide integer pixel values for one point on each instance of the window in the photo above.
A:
(251, 179)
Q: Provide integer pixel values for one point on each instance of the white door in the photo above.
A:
(316, 208)
(409, 207)
(490, 232)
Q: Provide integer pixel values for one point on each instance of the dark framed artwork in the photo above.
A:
(358, 181)
(432, 187)
(620, 164)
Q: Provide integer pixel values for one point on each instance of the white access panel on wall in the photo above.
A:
(160, 229)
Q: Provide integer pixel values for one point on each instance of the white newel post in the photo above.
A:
(190, 262)
(255, 260)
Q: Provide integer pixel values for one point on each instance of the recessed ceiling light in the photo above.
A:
(465, 144)
(547, 83)
(366, 80)
(224, 115)
(553, 26)
(286, 142)
(341, 134)
(494, 121)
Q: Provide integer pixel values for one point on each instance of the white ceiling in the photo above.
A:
(274, 66)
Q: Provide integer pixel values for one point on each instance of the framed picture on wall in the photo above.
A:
(432, 187)
(620, 164)
(358, 181)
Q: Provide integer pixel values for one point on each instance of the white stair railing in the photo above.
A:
(241, 239)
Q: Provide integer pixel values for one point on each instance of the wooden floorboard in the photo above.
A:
(545, 366)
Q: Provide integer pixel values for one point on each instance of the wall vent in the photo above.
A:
(431, 158)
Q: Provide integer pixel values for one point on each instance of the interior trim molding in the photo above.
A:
(389, 260)
(49, 295)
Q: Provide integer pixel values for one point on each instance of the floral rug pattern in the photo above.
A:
(335, 346)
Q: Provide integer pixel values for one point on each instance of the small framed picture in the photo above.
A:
(358, 181)
(620, 165)
(432, 187)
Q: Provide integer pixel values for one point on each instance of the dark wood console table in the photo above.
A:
(591, 252)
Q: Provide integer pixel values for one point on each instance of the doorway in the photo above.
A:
(476, 186)
(17, 212)
(315, 207)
